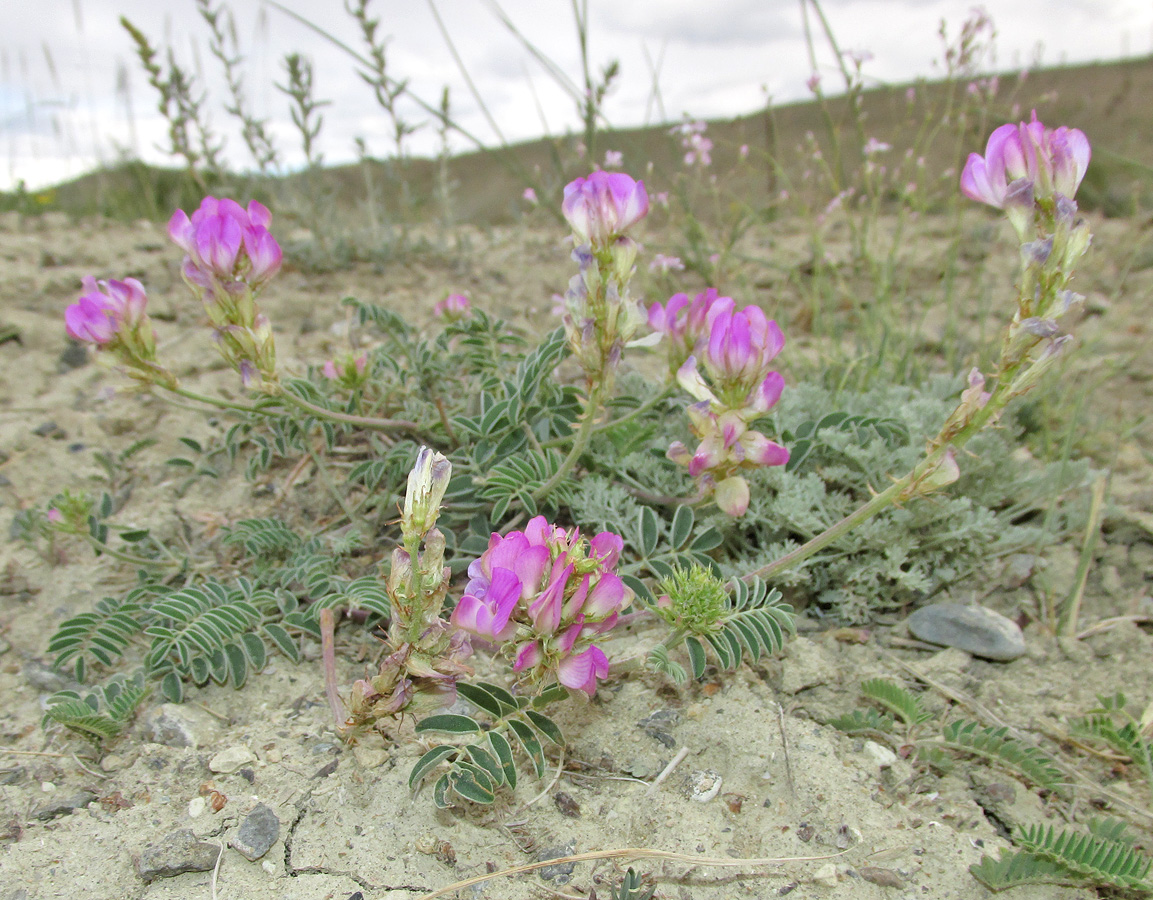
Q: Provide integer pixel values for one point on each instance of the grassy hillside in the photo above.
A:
(1107, 101)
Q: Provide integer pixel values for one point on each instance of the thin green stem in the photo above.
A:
(903, 486)
(104, 549)
(580, 442)
(215, 401)
(613, 423)
(349, 418)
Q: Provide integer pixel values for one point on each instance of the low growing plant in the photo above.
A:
(497, 448)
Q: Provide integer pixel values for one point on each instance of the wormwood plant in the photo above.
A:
(496, 449)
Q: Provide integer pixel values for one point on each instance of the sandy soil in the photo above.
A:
(872, 826)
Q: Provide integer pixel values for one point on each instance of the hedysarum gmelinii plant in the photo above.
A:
(734, 386)
(230, 256)
(111, 315)
(546, 594)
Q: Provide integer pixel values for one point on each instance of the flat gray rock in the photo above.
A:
(177, 853)
(974, 629)
(258, 832)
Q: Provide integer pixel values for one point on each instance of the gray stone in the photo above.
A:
(178, 726)
(177, 853)
(974, 629)
(258, 832)
(561, 872)
(64, 806)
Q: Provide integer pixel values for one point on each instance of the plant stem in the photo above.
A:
(580, 442)
(1000, 397)
(349, 418)
(613, 423)
(214, 401)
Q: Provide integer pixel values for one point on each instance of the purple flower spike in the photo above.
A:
(226, 242)
(1052, 161)
(105, 308)
(604, 206)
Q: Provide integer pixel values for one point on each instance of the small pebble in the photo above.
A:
(975, 629)
(704, 785)
(196, 807)
(258, 832)
(882, 756)
(231, 760)
(826, 875)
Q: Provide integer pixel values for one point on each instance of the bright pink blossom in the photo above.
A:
(604, 206)
(1052, 161)
(104, 309)
(453, 308)
(551, 592)
(226, 242)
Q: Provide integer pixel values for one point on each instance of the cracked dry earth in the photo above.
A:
(757, 777)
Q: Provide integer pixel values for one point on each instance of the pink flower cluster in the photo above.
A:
(1027, 162)
(604, 206)
(105, 309)
(453, 308)
(225, 243)
(683, 323)
(697, 147)
(725, 355)
(551, 593)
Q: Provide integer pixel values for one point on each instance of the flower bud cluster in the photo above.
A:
(728, 373)
(111, 315)
(547, 593)
(230, 256)
(426, 654)
(350, 371)
(599, 316)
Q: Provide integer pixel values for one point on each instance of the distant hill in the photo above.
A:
(1108, 101)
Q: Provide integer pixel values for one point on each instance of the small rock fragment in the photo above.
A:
(231, 760)
(882, 877)
(177, 853)
(64, 806)
(566, 805)
(826, 875)
(561, 872)
(704, 785)
(367, 757)
(113, 762)
(975, 629)
(258, 832)
(882, 756)
(178, 726)
(197, 807)
(46, 677)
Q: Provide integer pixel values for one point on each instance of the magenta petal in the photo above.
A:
(258, 214)
(502, 597)
(607, 547)
(580, 672)
(607, 596)
(529, 656)
(180, 230)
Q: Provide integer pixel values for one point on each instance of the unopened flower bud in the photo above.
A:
(427, 483)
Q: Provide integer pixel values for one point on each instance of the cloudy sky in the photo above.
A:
(72, 94)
